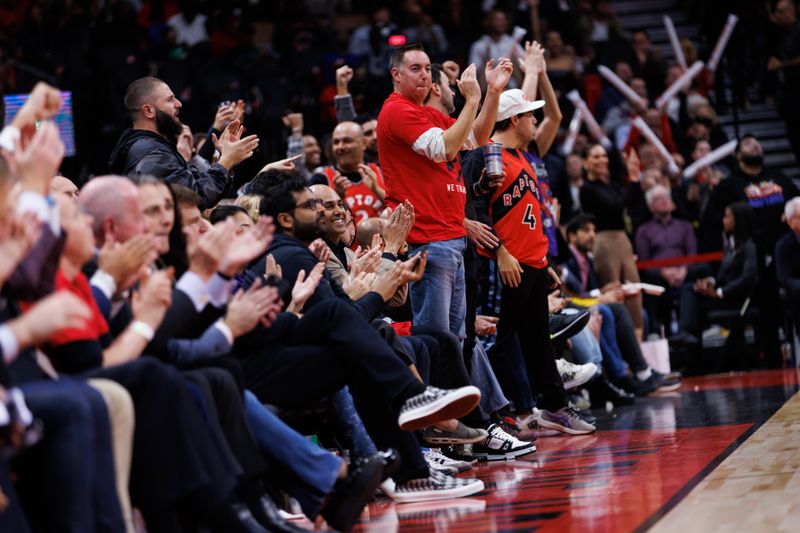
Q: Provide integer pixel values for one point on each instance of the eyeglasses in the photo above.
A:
(309, 204)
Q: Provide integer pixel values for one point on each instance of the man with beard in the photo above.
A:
(360, 185)
(767, 191)
(149, 147)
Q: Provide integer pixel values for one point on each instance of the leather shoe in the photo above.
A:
(272, 520)
(350, 495)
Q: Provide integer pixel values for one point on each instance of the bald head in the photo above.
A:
(348, 146)
(113, 202)
(62, 185)
(367, 229)
(333, 222)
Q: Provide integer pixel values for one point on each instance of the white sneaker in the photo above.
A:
(438, 461)
(500, 446)
(575, 375)
(436, 486)
(529, 426)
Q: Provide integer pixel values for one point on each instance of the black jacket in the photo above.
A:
(293, 256)
(738, 273)
(144, 152)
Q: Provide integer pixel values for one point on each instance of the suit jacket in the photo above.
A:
(738, 273)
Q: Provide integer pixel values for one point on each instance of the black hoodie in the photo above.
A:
(293, 256)
(145, 152)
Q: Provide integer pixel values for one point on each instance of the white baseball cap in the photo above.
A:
(514, 102)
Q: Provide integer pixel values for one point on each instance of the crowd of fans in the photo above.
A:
(438, 263)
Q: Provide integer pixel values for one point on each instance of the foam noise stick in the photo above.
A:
(642, 126)
(679, 84)
(710, 158)
(676, 44)
(722, 42)
(594, 128)
(574, 128)
(621, 86)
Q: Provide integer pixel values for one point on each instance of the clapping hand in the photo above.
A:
(320, 250)
(246, 246)
(497, 76)
(468, 84)
(304, 287)
(18, 237)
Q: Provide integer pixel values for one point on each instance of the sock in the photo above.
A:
(645, 374)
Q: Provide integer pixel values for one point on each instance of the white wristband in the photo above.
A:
(140, 328)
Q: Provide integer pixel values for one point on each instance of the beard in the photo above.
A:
(168, 126)
(305, 231)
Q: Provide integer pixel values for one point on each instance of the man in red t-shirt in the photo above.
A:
(418, 149)
(513, 205)
(359, 184)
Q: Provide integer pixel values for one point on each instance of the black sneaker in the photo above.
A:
(435, 405)
(351, 495)
(565, 325)
(602, 391)
(635, 386)
(662, 383)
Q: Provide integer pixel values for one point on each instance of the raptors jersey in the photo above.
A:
(516, 212)
(360, 199)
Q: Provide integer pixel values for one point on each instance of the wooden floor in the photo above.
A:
(720, 454)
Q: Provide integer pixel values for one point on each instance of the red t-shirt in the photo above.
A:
(515, 211)
(436, 189)
(361, 200)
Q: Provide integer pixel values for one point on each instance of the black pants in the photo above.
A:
(225, 407)
(626, 337)
(303, 360)
(447, 368)
(524, 312)
(174, 453)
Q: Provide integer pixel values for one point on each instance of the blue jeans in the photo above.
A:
(586, 349)
(439, 298)
(350, 424)
(612, 356)
(483, 377)
(307, 471)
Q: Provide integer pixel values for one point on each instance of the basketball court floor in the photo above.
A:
(720, 454)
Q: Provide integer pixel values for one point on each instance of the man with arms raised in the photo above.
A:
(419, 146)
(150, 147)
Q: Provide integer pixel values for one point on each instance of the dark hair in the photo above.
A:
(398, 55)
(222, 212)
(185, 196)
(138, 92)
(744, 222)
(276, 188)
(436, 77)
(176, 256)
(502, 125)
(579, 222)
(747, 135)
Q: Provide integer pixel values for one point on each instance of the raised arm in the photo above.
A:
(456, 135)
(536, 81)
(497, 77)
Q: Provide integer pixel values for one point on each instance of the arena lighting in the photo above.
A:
(397, 40)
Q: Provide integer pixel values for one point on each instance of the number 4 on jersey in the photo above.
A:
(529, 218)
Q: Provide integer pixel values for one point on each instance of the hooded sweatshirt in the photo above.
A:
(145, 152)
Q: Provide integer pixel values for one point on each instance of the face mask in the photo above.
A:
(752, 160)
